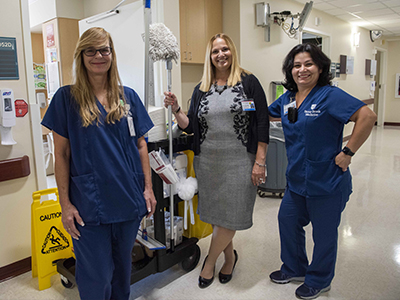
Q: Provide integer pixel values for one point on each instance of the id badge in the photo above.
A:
(131, 126)
(248, 105)
(286, 107)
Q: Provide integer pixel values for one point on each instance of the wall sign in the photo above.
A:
(8, 59)
(21, 108)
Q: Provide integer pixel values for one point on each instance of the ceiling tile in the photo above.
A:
(323, 6)
(391, 3)
(366, 7)
(377, 12)
(336, 11)
(348, 18)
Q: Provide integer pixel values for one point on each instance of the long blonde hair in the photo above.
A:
(82, 90)
(209, 69)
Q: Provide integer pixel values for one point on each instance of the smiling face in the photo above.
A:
(305, 72)
(97, 65)
(221, 55)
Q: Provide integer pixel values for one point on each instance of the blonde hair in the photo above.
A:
(209, 69)
(82, 90)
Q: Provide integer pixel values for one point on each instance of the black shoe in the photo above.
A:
(203, 282)
(224, 278)
(280, 277)
(308, 293)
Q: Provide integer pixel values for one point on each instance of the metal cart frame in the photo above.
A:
(186, 254)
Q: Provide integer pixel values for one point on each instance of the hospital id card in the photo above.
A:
(131, 126)
(248, 105)
(286, 107)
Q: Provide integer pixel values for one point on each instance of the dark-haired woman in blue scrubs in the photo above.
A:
(101, 167)
(313, 115)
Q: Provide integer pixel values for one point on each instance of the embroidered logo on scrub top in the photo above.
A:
(313, 112)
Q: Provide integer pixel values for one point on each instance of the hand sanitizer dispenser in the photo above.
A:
(7, 116)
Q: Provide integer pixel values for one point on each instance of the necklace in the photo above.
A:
(220, 89)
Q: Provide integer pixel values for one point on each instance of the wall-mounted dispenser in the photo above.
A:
(7, 116)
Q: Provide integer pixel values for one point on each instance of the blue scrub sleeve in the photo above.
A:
(343, 105)
(274, 110)
(140, 116)
(55, 118)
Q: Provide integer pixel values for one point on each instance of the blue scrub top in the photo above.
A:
(106, 176)
(314, 140)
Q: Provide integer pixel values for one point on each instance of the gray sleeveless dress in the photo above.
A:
(223, 167)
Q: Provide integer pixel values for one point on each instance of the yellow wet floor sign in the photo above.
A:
(50, 241)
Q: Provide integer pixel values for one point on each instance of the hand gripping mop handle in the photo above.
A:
(164, 46)
(168, 64)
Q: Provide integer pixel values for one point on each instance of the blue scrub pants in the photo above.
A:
(324, 213)
(104, 260)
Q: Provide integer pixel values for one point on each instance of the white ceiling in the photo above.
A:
(370, 14)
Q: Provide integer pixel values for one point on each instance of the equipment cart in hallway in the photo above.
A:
(186, 254)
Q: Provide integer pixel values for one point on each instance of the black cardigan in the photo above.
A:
(259, 121)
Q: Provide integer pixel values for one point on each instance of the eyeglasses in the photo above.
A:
(92, 52)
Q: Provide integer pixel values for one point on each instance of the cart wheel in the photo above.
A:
(188, 264)
(66, 283)
(261, 194)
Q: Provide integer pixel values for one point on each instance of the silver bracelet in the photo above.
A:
(260, 164)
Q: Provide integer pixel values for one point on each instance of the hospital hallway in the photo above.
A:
(368, 263)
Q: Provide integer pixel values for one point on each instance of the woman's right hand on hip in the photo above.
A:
(170, 99)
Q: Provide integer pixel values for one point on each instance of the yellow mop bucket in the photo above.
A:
(50, 241)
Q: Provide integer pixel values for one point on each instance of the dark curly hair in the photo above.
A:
(318, 57)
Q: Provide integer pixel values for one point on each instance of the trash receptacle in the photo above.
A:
(276, 162)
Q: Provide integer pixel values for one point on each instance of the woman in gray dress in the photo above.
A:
(228, 115)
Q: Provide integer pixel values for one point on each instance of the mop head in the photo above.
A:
(162, 43)
(187, 188)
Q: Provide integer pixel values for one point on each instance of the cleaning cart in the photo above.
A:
(276, 162)
(186, 254)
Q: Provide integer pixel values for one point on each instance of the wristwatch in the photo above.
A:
(347, 151)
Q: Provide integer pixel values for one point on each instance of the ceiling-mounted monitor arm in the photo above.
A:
(264, 18)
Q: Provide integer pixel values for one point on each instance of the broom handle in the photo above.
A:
(171, 196)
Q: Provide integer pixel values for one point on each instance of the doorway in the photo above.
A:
(319, 38)
(380, 90)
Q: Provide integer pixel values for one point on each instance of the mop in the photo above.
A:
(164, 46)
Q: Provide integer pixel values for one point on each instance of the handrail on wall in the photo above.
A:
(14, 168)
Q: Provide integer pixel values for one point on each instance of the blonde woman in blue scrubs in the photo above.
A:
(101, 167)
(313, 115)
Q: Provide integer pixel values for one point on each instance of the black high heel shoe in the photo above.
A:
(203, 282)
(224, 278)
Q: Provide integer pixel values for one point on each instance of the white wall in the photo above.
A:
(72, 9)
(16, 194)
(392, 107)
(42, 11)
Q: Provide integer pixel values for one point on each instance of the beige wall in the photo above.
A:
(94, 7)
(16, 195)
(392, 104)
(37, 48)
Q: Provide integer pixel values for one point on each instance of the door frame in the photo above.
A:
(326, 39)
(381, 101)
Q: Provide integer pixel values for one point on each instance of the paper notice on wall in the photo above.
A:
(53, 78)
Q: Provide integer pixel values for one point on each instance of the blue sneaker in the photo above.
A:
(280, 277)
(308, 293)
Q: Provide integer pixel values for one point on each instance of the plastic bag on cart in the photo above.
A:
(161, 165)
(200, 229)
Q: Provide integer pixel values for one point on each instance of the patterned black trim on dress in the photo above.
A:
(241, 119)
(220, 89)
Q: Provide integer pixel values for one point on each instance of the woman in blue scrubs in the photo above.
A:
(101, 167)
(313, 115)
